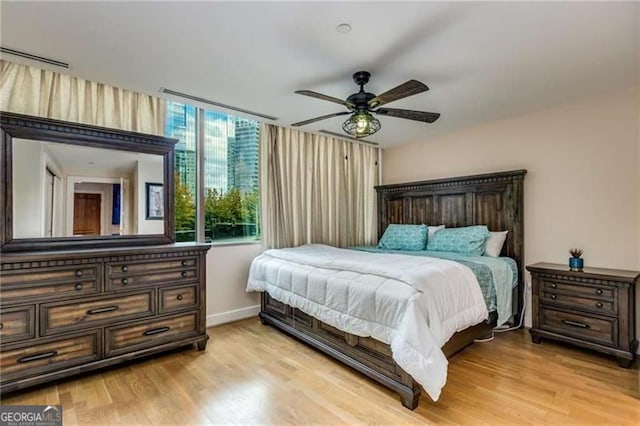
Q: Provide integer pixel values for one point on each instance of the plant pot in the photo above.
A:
(576, 263)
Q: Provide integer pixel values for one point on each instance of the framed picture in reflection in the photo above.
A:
(155, 201)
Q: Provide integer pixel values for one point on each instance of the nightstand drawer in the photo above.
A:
(585, 290)
(599, 329)
(571, 301)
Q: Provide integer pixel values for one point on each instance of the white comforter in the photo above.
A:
(413, 303)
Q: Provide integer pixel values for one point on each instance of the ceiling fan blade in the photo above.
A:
(410, 88)
(427, 117)
(323, 117)
(325, 97)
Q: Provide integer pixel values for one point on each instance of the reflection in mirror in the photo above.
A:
(63, 190)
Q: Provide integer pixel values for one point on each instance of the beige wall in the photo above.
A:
(583, 185)
(227, 272)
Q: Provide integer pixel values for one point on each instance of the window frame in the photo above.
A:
(201, 191)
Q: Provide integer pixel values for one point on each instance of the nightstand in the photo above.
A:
(593, 308)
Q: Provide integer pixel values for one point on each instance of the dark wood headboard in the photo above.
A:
(492, 199)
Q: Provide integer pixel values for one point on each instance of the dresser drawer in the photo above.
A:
(582, 289)
(127, 338)
(604, 306)
(60, 317)
(597, 329)
(178, 298)
(124, 275)
(17, 324)
(33, 360)
(51, 283)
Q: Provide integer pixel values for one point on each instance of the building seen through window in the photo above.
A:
(231, 151)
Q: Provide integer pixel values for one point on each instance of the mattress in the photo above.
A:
(413, 303)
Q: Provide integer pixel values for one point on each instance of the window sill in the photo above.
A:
(234, 243)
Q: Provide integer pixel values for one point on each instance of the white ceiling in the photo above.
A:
(482, 61)
(90, 161)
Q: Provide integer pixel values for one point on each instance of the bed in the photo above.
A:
(494, 199)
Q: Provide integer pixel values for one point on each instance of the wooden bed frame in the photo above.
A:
(494, 199)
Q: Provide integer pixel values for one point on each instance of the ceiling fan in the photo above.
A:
(361, 104)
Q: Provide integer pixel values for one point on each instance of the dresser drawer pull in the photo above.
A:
(79, 286)
(599, 305)
(599, 291)
(184, 274)
(78, 273)
(575, 323)
(183, 263)
(156, 331)
(125, 269)
(37, 357)
(554, 285)
(125, 281)
(553, 296)
(102, 310)
(179, 297)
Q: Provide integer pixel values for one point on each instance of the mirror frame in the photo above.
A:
(43, 129)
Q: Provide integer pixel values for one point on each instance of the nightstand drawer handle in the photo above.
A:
(553, 296)
(554, 285)
(599, 305)
(78, 273)
(156, 331)
(102, 310)
(125, 281)
(124, 268)
(183, 263)
(184, 274)
(575, 324)
(599, 291)
(37, 357)
(79, 286)
(179, 297)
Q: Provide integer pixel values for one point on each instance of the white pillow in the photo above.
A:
(494, 243)
(432, 230)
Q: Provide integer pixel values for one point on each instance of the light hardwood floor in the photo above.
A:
(252, 373)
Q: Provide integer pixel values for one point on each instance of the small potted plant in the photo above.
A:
(576, 263)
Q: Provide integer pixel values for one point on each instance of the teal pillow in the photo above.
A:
(469, 240)
(404, 237)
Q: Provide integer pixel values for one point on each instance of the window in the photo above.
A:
(230, 184)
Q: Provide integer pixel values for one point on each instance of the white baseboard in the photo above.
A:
(231, 316)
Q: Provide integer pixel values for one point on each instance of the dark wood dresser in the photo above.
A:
(67, 312)
(593, 308)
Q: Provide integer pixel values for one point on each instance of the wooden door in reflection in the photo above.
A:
(86, 214)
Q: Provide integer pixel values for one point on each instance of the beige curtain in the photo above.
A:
(316, 189)
(33, 91)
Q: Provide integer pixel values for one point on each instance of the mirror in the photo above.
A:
(72, 185)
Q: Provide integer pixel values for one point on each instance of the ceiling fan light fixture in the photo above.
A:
(361, 124)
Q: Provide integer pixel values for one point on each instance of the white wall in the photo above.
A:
(583, 185)
(227, 272)
(27, 189)
(151, 172)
